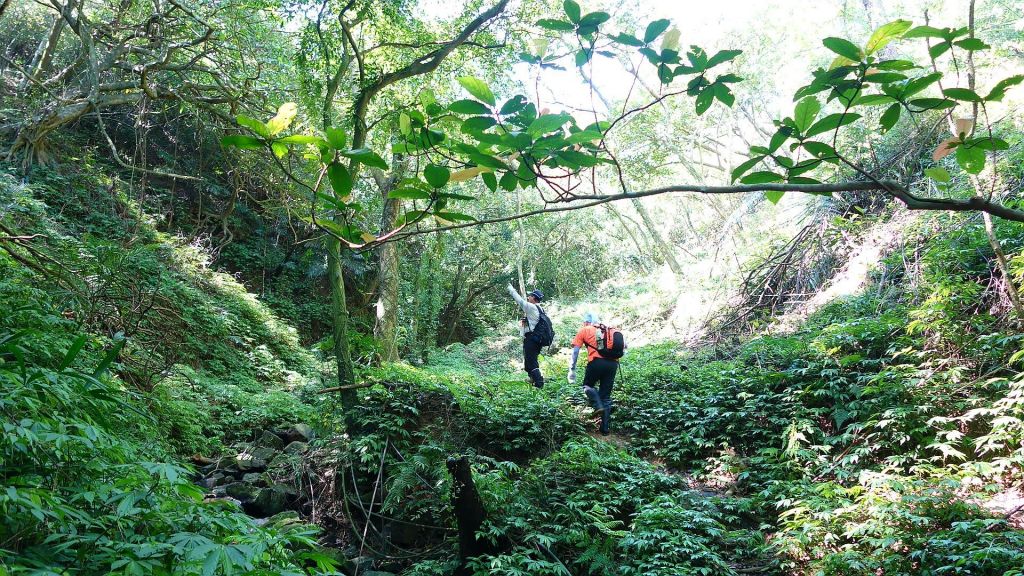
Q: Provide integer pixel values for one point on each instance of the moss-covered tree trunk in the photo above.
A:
(386, 329)
(339, 313)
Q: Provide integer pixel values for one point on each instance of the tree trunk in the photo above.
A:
(469, 515)
(44, 54)
(339, 311)
(663, 247)
(990, 231)
(386, 328)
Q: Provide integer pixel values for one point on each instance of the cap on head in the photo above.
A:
(590, 318)
(536, 294)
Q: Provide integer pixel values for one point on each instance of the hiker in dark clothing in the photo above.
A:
(600, 371)
(531, 345)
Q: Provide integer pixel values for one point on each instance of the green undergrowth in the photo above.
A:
(871, 438)
(211, 360)
(869, 441)
(558, 499)
(89, 481)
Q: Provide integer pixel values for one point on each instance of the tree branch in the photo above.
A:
(894, 189)
(422, 65)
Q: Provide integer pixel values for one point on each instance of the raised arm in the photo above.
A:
(517, 297)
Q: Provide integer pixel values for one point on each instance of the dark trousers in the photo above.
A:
(531, 350)
(602, 372)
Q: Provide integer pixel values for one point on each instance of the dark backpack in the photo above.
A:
(543, 332)
(613, 345)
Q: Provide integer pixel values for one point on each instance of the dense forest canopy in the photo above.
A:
(278, 280)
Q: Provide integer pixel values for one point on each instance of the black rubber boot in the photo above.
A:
(537, 377)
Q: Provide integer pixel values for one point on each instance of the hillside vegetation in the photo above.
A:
(254, 316)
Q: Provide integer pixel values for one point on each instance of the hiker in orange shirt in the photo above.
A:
(599, 370)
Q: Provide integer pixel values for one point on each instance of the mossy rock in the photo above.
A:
(241, 491)
(272, 500)
(270, 440)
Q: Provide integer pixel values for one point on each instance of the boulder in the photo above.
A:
(286, 517)
(213, 480)
(255, 460)
(296, 447)
(272, 500)
(362, 564)
(241, 491)
(296, 433)
(270, 440)
(254, 478)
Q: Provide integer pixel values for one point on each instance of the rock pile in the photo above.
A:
(260, 475)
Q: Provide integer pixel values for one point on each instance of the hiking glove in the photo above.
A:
(572, 376)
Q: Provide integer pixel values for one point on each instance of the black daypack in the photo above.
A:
(611, 344)
(543, 332)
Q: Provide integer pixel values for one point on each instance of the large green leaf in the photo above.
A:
(513, 105)
(547, 123)
(886, 33)
(704, 101)
(366, 156)
(654, 29)
(819, 149)
(302, 139)
(469, 107)
(999, 90)
(961, 94)
(336, 138)
(774, 196)
(971, 159)
(73, 351)
(455, 216)
(593, 20)
(575, 160)
(253, 124)
(971, 44)
(241, 141)
(477, 124)
(721, 57)
(872, 99)
(478, 88)
(627, 39)
(486, 160)
(583, 137)
(831, 122)
(572, 10)
(938, 173)
(742, 168)
(556, 25)
(508, 181)
(762, 177)
(918, 84)
(890, 116)
(843, 47)
(490, 180)
(436, 176)
(805, 113)
(924, 32)
(341, 180)
(409, 194)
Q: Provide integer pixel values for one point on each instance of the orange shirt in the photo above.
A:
(587, 336)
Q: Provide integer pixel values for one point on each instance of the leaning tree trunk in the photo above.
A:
(663, 247)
